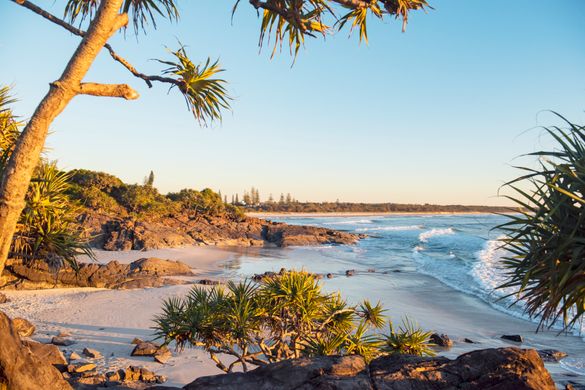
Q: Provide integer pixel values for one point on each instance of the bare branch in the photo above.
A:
(76, 31)
(110, 90)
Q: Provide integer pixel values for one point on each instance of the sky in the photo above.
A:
(437, 114)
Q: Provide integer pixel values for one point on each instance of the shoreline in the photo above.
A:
(260, 214)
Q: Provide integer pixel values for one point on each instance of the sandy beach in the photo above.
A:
(108, 320)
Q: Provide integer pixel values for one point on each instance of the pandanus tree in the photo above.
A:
(546, 240)
(286, 22)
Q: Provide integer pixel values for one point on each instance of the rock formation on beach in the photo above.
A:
(125, 233)
(147, 272)
(488, 369)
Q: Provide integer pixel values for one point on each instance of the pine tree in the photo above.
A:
(233, 199)
(237, 200)
(288, 198)
(225, 199)
(281, 200)
(270, 199)
(149, 181)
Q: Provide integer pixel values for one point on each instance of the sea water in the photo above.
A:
(461, 253)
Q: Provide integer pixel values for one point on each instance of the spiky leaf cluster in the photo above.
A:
(546, 268)
(284, 316)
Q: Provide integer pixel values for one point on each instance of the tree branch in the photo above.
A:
(111, 90)
(76, 31)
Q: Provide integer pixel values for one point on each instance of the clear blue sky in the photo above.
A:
(436, 114)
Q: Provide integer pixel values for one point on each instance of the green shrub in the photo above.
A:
(206, 201)
(143, 200)
(98, 180)
(284, 316)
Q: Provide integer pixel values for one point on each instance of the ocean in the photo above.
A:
(440, 270)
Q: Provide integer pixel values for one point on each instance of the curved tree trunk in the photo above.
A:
(25, 157)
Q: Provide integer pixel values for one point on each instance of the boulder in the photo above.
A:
(489, 369)
(551, 355)
(163, 355)
(513, 337)
(350, 272)
(20, 368)
(442, 340)
(47, 352)
(74, 356)
(146, 348)
(24, 327)
(92, 353)
(62, 341)
(80, 367)
(3, 298)
(322, 372)
(329, 276)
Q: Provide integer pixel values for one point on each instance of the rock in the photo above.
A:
(551, 355)
(24, 327)
(329, 276)
(502, 369)
(469, 341)
(3, 298)
(371, 270)
(63, 334)
(322, 372)
(136, 340)
(22, 369)
(513, 337)
(74, 356)
(493, 369)
(350, 272)
(442, 340)
(163, 355)
(208, 282)
(159, 267)
(48, 353)
(92, 353)
(134, 374)
(62, 341)
(146, 348)
(78, 368)
(93, 380)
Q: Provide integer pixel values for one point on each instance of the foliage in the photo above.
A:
(143, 199)
(409, 339)
(283, 316)
(547, 238)
(47, 227)
(206, 201)
(205, 95)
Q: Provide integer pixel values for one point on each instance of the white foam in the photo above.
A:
(391, 228)
(425, 236)
(351, 222)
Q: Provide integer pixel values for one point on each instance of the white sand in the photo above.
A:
(108, 320)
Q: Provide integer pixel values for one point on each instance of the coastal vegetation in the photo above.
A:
(47, 227)
(205, 94)
(547, 239)
(283, 316)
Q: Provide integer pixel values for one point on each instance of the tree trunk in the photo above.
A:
(25, 157)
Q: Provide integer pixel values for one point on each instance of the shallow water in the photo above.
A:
(440, 270)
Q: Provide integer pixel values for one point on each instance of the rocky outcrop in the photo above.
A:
(116, 233)
(22, 369)
(488, 369)
(151, 272)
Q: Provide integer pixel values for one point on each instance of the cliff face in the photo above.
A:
(125, 233)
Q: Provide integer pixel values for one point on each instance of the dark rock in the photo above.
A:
(146, 272)
(22, 369)
(329, 276)
(442, 340)
(501, 369)
(24, 327)
(322, 372)
(147, 348)
(350, 272)
(489, 369)
(62, 341)
(208, 282)
(3, 298)
(371, 270)
(469, 341)
(92, 353)
(513, 337)
(551, 355)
